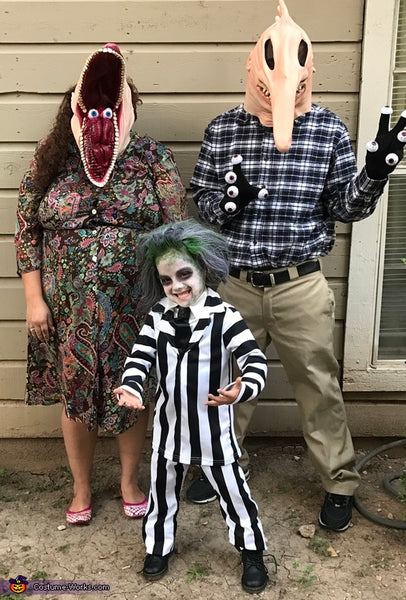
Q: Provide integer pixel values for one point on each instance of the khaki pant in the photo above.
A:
(298, 316)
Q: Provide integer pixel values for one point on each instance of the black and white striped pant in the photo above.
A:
(239, 510)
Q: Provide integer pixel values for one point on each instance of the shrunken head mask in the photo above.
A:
(280, 70)
(103, 113)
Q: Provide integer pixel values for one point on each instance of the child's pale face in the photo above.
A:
(181, 278)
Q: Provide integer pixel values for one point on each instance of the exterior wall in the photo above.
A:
(188, 61)
(363, 370)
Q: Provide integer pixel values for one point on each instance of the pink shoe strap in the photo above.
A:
(135, 510)
(79, 516)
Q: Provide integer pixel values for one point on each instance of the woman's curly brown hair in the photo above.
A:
(52, 151)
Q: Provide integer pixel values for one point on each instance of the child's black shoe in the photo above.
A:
(155, 566)
(255, 575)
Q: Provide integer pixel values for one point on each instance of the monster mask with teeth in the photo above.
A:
(103, 113)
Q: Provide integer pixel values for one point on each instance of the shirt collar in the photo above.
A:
(243, 116)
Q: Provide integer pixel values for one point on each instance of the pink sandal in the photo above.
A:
(135, 511)
(79, 517)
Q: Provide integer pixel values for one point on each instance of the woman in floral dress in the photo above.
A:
(77, 231)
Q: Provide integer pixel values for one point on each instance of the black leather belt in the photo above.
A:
(261, 279)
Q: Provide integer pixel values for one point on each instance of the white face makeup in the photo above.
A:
(182, 280)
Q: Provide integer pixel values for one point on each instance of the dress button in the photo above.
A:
(94, 211)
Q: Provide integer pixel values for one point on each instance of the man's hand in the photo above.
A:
(238, 192)
(386, 151)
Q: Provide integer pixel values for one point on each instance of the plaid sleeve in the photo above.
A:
(350, 196)
(207, 187)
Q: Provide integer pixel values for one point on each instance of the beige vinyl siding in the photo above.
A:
(187, 58)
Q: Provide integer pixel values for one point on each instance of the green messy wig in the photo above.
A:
(207, 248)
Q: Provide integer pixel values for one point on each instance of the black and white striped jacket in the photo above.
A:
(185, 429)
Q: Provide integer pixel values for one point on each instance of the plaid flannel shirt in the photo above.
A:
(310, 187)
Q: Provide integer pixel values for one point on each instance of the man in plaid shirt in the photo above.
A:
(275, 174)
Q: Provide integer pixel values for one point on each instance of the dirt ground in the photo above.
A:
(368, 562)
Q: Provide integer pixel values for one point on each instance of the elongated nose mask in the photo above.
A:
(280, 71)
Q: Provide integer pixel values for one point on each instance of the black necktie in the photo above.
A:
(182, 327)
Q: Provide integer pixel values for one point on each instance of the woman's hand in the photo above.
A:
(38, 317)
(128, 400)
(226, 396)
(39, 320)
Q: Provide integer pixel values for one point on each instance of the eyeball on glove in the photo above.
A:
(386, 150)
(238, 192)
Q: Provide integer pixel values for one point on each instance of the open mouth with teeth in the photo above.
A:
(264, 91)
(300, 90)
(183, 296)
(99, 96)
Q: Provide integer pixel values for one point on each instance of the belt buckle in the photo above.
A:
(270, 275)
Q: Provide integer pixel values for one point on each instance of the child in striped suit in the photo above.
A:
(193, 420)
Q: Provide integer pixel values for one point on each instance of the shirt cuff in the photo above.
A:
(242, 391)
(366, 184)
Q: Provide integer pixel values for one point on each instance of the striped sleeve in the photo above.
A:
(251, 361)
(142, 358)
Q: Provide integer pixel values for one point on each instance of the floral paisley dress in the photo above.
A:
(83, 239)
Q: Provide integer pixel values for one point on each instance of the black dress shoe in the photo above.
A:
(255, 575)
(155, 566)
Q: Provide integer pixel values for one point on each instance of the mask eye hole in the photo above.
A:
(302, 53)
(270, 61)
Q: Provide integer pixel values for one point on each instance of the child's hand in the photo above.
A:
(129, 400)
(226, 396)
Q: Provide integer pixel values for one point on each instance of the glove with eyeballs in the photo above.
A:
(238, 192)
(386, 150)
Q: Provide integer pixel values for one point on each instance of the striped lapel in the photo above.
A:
(212, 305)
